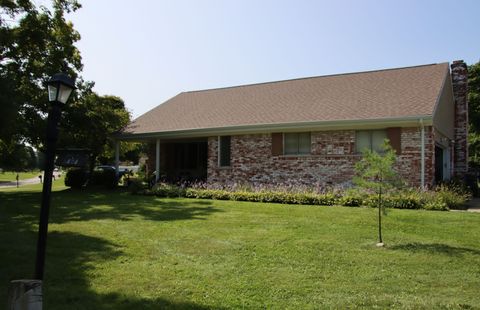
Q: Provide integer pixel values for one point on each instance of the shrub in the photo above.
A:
(453, 195)
(327, 199)
(168, 190)
(410, 199)
(105, 178)
(349, 201)
(76, 178)
(441, 199)
(137, 186)
(435, 204)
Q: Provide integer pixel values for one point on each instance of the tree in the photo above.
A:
(375, 173)
(129, 151)
(90, 122)
(474, 114)
(35, 43)
(18, 157)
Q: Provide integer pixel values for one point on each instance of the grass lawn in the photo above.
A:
(8, 176)
(112, 250)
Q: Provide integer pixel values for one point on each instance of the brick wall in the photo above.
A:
(460, 88)
(331, 161)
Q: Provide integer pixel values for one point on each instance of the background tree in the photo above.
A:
(90, 121)
(375, 173)
(129, 152)
(474, 115)
(18, 157)
(35, 43)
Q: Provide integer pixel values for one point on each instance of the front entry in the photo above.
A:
(184, 160)
(442, 164)
(438, 164)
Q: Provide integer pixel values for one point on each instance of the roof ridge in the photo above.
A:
(311, 77)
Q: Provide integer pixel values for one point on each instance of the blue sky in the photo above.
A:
(148, 51)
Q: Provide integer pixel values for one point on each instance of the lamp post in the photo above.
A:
(60, 86)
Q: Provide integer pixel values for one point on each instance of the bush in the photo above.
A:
(350, 201)
(103, 178)
(76, 178)
(453, 195)
(435, 204)
(410, 199)
(137, 186)
(443, 198)
(168, 190)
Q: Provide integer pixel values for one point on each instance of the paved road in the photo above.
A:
(35, 180)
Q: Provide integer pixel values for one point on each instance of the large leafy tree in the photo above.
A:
(474, 114)
(35, 43)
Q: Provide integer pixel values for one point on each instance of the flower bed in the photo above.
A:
(442, 198)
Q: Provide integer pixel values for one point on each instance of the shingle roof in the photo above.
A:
(392, 93)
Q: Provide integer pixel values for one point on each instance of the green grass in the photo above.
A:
(112, 250)
(9, 176)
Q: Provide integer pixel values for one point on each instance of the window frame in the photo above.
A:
(219, 153)
(298, 144)
(370, 137)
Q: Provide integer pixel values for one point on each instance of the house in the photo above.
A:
(311, 130)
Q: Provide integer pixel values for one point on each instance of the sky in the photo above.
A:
(149, 51)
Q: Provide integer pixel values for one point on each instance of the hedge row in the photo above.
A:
(78, 178)
(442, 199)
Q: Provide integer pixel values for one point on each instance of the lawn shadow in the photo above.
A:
(73, 258)
(68, 276)
(85, 205)
(71, 261)
(114, 301)
(435, 248)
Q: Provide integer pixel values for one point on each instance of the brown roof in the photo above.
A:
(393, 93)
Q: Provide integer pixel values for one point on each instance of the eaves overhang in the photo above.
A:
(407, 121)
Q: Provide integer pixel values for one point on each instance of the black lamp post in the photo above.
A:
(60, 87)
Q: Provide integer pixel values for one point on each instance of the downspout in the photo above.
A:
(157, 160)
(422, 155)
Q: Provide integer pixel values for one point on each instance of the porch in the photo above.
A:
(175, 160)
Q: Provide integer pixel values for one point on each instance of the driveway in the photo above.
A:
(35, 180)
(473, 205)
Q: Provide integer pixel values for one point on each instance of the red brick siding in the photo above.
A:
(331, 161)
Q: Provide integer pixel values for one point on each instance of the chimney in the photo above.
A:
(460, 95)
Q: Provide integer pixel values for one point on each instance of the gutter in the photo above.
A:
(410, 121)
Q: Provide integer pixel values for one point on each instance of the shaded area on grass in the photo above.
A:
(73, 205)
(435, 248)
(115, 301)
(72, 257)
(68, 281)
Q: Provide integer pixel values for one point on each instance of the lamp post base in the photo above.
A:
(25, 295)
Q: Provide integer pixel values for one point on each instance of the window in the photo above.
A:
(370, 140)
(297, 143)
(224, 151)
